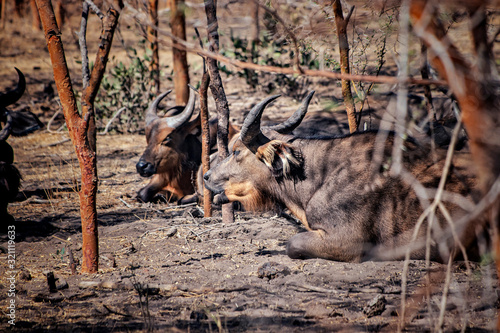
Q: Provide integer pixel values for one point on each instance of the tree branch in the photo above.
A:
(95, 9)
(108, 28)
(218, 94)
(83, 45)
(188, 47)
(287, 30)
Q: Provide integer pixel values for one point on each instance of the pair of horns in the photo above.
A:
(9, 98)
(251, 126)
(172, 121)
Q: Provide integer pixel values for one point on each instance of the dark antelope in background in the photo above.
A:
(173, 153)
(16, 123)
(347, 206)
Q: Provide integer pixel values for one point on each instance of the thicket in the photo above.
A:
(126, 86)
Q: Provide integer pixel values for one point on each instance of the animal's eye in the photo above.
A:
(166, 141)
(237, 156)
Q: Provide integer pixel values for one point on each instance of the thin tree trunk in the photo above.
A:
(218, 94)
(341, 25)
(205, 148)
(3, 11)
(78, 126)
(18, 8)
(255, 29)
(251, 75)
(152, 35)
(181, 70)
(36, 24)
(60, 13)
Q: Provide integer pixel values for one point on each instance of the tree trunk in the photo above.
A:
(205, 148)
(341, 25)
(78, 126)
(3, 11)
(181, 70)
(36, 24)
(255, 29)
(18, 8)
(252, 77)
(152, 36)
(218, 94)
(473, 87)
(60, 13)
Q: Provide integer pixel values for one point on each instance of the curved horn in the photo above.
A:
(185, 115)
(291, 123)
(13, 96)
(153, 108)
(5, 132)
(251, 125)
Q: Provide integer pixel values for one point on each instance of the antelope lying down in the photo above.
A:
(347, 205)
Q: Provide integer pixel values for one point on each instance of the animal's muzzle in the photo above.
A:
(218, 191)
(211, 185)
(145, 169)
(220, 197)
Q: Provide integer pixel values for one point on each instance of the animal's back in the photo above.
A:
(359, 197)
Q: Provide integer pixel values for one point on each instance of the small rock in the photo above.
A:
(24, 275)
(109, 284)
(89, 284)
(390, 311)
(193, 212)
(171, 232)
(61, 284)
(376, 306)
(128, 248)
(198, 316)
(317, 311)
(272, 270)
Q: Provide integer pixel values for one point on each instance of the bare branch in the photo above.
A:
(117, 113)
(109, 25)
(83, 45)
(49, 124)
(439, 325)
(188, 47)
(431, 33)
(348, 17)
(95, 9)
(287, 30)
(199, 37)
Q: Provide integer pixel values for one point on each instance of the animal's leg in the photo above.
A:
(319, 244)
(147, 193)
(188, 199)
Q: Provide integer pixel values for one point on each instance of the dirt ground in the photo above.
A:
(166, 268)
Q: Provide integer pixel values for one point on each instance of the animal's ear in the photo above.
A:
(282, 158)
